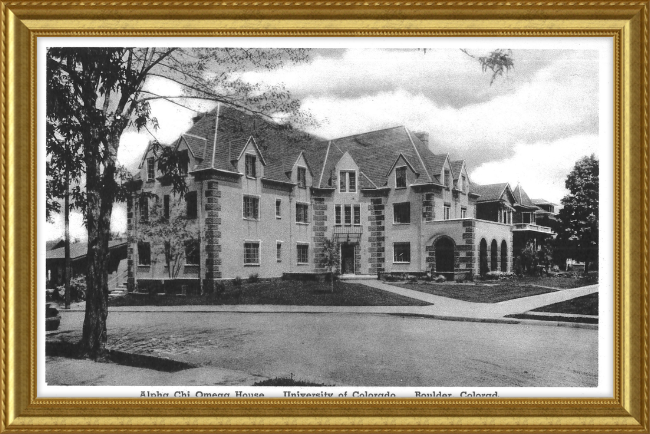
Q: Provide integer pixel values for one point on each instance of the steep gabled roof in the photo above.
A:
(374, 152)
(522, 198)
(456, 167)
(490, 192)
(543, 202)
(195, 144)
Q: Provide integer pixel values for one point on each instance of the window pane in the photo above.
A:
(278, 207)
(144, 253)
(352, 176)
(402, 252)
(192, 252)
(279, 252)
(190, 200)
(348, 215)
(337, 210)
(357, 214)
(150, 168)
(302, 177)
(342, 182)
(250, 165)
(400, 177)
(303, 253)
(402, 212)
(251, 253)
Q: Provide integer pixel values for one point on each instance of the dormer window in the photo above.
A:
(302, 177)
(183, 162)
(348, 181)
(250, 166)
(151, 174)
(448, 180)
(400, 177)
(463, 183)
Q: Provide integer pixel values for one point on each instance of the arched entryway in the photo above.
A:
(483, 257)
(493, 256)
(444, 248)
(504, 256)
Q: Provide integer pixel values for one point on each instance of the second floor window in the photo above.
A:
(151, 173)
(463, 213)
(278, 208)
(357, 215)
(402, 212)
(144, 209)
(447, 212)
(166, 207)
(302, 177)
(250, 166)
(400, 177)
(348, 215)
(347, 181)
(337, 216)
(302, 213)
(251, 207)
(190, 202)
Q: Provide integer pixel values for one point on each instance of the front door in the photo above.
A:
(347, 258)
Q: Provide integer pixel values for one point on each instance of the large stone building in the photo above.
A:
(265, 199)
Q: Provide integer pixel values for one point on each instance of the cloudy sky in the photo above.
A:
(528, 127)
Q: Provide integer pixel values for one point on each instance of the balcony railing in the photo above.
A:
(531, 227)
(347, 233)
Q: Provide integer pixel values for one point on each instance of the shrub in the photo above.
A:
(77, 289)
(499, 275)
(412, 279)
(440, 279)
(236, 282)
(253, 278)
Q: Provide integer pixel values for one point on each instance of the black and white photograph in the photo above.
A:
(403, 219)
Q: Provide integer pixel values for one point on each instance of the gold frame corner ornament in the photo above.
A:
(23, 21)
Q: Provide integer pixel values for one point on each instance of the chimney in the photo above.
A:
(423, 136)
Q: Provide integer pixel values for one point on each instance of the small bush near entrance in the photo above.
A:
(499, 275)
(253, 278)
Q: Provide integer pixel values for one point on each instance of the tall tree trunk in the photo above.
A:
(100, 193)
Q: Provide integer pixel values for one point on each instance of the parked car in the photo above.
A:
(52, 317)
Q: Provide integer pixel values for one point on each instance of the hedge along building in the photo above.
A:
(264, 199)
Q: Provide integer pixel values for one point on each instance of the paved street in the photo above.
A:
(354, 349)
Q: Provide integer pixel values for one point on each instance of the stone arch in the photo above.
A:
(483, 257)
(494, 254)
(504, 255)
(445, 250)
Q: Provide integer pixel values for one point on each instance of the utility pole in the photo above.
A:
(66, 211)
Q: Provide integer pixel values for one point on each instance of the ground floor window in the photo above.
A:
(303, 253)
(278, 251)
(252, 253)
(144, 253)
(402, 252)
(192, 252)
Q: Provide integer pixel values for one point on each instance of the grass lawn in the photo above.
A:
(555, 318)
(502, 291)
(280, 292)
(585, 305)
(554, 282)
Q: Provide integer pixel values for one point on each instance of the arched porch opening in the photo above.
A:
(504, 256)
(483, 259)
(493, 256)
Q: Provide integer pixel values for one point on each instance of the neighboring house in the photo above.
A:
(499, 203)
(264, 203)
(55, 261)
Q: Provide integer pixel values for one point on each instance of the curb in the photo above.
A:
(502, 321)
(402, 314)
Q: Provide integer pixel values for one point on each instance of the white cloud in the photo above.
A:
(541, 167)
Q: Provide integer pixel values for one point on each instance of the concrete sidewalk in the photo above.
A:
(441, 308)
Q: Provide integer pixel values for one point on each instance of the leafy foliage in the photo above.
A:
(172, 238)
(497, 61)
(578, 228)
(96, 94)
(330, 258)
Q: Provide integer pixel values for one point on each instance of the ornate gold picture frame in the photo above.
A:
(23, 22)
